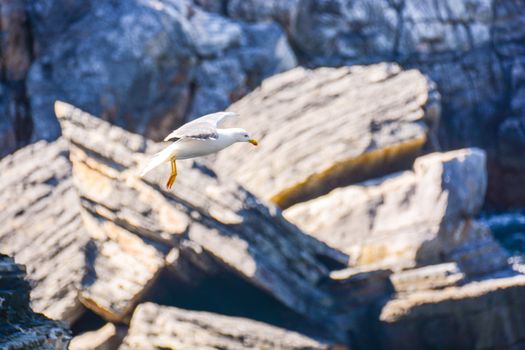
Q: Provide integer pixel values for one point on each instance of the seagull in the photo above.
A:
(197, 138)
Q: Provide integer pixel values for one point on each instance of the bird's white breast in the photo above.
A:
(191, 148)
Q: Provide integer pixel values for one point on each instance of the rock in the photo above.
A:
(108, 337)
(41, 226)
(218, 216)
(427, 277)
(424, 213)
(154, 326)
(131, 63)
(470, 48)
(158, 58)
(20, 327)
(108, 268)
(121, 270)
(479, 315)
(16, 56)
(364, 138)
(234, 61)
(507, 168)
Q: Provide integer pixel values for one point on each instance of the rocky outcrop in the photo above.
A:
(205, 212)
(41, 226)
(108, 337)
(136, 240)
(491, 310)
(179, 59)
(438, 198)
(326, 128)
(471, 49)
(154, 326)
(166, 62)
(20, 327)
(15, 59)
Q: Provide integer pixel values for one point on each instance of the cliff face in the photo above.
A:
(20, 327)
(148, 66)
(391, 260)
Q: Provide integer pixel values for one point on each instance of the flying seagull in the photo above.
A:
(197, 138)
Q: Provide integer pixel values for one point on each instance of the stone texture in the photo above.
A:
(41, 226)
(329, 127)
(411, 218)
(108, 337)
(167, 61)
(108, 268)
(15, 58)
(20, 327)
(212, 215)
(472, 49)
(154, 326)
(480, 315)
(427, 277)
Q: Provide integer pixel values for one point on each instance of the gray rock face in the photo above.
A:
(447, 318)
(20, 327)
(146, 66)
(329, 127)
(412, 218)
(472, 49)
(129, 62)
(154, 326)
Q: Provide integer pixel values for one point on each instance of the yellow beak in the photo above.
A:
(253, 142)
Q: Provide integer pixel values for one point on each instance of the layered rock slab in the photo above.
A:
(328, 127)
(154, 326)
(41, 226)
(486, 314)
(20, 327)
(204, 213)
(417, 217)
(45, 226)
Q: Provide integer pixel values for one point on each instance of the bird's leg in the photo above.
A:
(173, 175)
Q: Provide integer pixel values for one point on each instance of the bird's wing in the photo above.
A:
(203, 128)
(193, 130)
(216, 119)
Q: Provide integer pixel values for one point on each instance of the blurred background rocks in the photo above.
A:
(387, 127)
(150, 65)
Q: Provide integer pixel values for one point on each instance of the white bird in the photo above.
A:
(197, 138)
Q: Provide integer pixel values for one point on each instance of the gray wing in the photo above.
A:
(203, 128)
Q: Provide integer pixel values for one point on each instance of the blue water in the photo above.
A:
(509, 229)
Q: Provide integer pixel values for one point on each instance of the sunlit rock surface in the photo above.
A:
(154, 326)
(487, 314)
(20, 327)
(108, 337)
(41, 226)
(410, 218)
(320, 129)
(417, 217)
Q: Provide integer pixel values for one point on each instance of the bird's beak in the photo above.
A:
(253, 142)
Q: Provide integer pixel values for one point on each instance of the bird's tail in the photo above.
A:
(158, 159)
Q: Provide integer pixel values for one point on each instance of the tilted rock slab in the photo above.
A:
(41, 226)
(216, 217)
(488, 314)
(72, 258)
(154, 327)
(107, 337)
(411, 218)
(320, 129)
(20, 327)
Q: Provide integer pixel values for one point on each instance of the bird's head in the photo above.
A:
(242, 135)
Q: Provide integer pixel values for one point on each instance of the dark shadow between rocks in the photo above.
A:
(226, 293)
